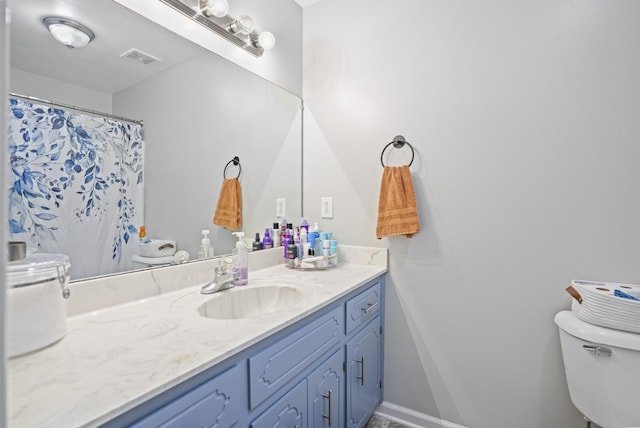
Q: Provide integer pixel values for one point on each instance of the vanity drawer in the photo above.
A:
(215, 403)
(276, 365)
(363, 307)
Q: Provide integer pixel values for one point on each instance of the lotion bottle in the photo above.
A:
(241, 260)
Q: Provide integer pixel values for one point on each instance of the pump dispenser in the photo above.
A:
(206, 249)
(241, 260)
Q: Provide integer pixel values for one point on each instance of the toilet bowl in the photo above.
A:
(601, 367)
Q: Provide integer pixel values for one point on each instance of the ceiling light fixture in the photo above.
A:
(70, 33)
(213, 14)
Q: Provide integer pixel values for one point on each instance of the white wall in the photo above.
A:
(33, 85)
(193, 127)
(524, 116)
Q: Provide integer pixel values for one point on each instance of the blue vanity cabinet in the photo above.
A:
(363, 307)
(324, 371)
(326, 393)
(278, 364)
(364, 374)
(288, 412)
(217, 403)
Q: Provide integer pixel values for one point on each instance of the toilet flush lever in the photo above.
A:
(599, 351)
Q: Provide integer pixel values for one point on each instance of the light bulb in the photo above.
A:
(245, 24)
(218, 8)
(266, 40)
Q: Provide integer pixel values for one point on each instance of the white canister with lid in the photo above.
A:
(36, 309)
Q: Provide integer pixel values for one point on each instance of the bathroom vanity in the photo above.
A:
(171, 360)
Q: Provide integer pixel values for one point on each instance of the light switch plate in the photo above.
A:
(326, 207)
(281, 207)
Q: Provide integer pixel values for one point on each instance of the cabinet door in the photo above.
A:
(326, 393)
(288, 412)
(216, 403)
(364, 373)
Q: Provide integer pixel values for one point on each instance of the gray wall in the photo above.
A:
(198, 116)
(524, 116)
(34, 85)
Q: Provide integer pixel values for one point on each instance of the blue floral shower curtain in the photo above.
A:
(75, 186)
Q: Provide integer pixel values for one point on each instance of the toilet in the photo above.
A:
(602, 368)
(140, 262)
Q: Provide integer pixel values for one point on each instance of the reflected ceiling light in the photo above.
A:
(70, 33)
(213, 14)
(217, 8)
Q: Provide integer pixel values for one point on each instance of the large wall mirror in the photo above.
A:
(199, 111)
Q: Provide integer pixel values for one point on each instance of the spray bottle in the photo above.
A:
(241, 260)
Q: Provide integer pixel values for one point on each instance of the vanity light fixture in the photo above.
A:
(70, 33)
(213, 14)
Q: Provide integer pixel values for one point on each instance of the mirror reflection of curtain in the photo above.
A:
(75, 185)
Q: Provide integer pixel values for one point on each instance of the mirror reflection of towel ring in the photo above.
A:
(398, 142)
(235, 161)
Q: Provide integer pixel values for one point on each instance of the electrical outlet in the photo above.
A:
(281, 207)
(326, 207)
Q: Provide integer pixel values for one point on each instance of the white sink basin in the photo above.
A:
(248, 302)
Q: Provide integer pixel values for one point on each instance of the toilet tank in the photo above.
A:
(602, 368)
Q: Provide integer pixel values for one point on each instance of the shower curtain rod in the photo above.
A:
(82, 109)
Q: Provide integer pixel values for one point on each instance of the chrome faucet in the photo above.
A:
(224, 279)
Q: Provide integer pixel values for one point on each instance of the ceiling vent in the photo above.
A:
(139, 57)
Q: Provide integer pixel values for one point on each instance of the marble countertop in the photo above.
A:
(113, 359)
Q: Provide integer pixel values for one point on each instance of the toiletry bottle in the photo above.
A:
(283, 231)
(304, 243)
(312, 243)
(257, 245)
(241, 260)
(296, 241)
(285, 243)
(304, 225)
(142, 235)
(276, 235)
(292, 249)
(315, 230)
(206, 249)
(267, 242)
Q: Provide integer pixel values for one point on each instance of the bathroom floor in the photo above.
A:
(378, 422)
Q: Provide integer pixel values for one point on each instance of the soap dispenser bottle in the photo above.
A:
(206, 249)
(241, 260)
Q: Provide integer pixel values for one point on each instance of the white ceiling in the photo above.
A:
(97, 66)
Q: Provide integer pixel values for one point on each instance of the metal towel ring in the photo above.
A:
(235, 161)
(398, 142)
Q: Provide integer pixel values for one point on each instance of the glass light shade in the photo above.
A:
(245, 24)
(218, 8)
(69, 33)
(266, 40)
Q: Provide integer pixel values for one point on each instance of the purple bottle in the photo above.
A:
(287, 240)
(267, 242)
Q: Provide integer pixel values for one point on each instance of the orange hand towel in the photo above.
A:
(397, 210)
(229, 209)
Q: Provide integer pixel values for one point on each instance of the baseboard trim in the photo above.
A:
(411, 418)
